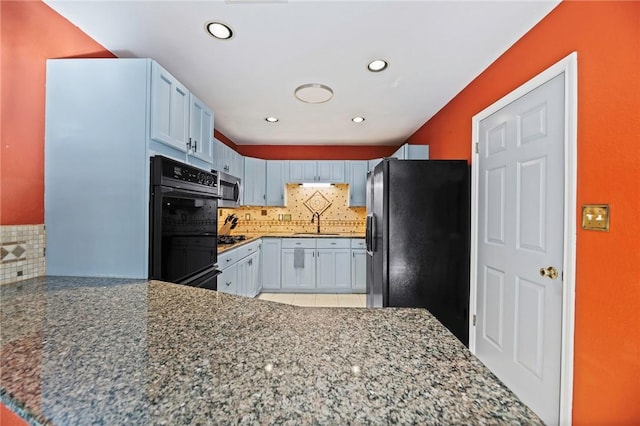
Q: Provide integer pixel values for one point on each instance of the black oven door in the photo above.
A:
(183, 237)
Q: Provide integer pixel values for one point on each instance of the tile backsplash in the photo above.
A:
(21, 252)
(296, 215)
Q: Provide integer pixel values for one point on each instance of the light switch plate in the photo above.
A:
(595, 217)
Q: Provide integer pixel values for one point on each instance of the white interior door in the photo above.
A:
(520, 243)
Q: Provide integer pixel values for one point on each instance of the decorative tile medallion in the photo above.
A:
(13, 251)
(317, 203)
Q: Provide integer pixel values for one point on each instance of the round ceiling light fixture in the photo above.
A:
(357, 119)
(313, 93)
(377, 65)
(272, 119)
(219, 30)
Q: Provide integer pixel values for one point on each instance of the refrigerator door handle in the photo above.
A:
(370, 234)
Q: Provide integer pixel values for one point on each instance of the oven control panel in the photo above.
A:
(166, 168)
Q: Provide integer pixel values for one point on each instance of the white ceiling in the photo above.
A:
(434, 49)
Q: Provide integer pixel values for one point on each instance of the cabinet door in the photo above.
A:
(357, 180)
(277, 177)
(254, 181)
(330, 171)
(228, 280)
(334, 268)
(417, 152)
(218, 155)
(255, 274)
(244, 277)
(169, 109)
(270, 263)
(302, 171)
(236, 164)
(359, 270)
(301, 277)
(200, 130)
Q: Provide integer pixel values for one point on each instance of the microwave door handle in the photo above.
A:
(236, 191)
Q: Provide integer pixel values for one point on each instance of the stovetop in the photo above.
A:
(230, 239)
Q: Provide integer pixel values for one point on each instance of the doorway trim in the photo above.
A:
(568, 66)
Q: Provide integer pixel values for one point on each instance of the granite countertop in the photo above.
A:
(252, 237)
(110, 351)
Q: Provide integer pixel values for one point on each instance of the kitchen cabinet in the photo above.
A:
(227, 160)
(357, 180)
(326, 264)
(169, 109)
(254, 182)
(228, 280)
(358, 266)
(412, 152)
(326, 171)
(240, 270)
(249, 275)
(333, 263)
(200, 130)
(277, 178)
(104, 119)
(180, 120)
(271, 263)
(302, 275)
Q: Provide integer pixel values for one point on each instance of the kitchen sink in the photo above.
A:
(313, 233)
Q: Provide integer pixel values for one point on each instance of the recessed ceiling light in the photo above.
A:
(219, 30)
(314, 93)
(272, 119)
(357, 119)
(377, 65)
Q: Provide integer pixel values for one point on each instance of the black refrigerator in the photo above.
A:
(418, 238)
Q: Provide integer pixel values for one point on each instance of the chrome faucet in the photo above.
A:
(313, 217)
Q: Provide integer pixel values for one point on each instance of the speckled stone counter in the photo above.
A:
(107, 351)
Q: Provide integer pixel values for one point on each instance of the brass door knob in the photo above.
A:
(550, 272)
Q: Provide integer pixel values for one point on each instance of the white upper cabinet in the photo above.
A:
(169, 109)
(302, 171)
(179, 119)
(412, 152)
(227, 160)
(277, 177)
(201, 130)
(327, 171)
(331, 171)
(254, 181)
(357, 180)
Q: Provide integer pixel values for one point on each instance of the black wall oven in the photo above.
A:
(184, 211)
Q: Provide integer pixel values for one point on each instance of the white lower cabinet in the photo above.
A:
(298, 263)
(271, 255)
(228, 280)
(358, 266)
(322, 264)
(249, 276)
(241, 270)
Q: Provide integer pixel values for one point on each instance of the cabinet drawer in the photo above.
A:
(298, 243)
(330, 243)
(248, 249)
(358, 243)
(228, 258)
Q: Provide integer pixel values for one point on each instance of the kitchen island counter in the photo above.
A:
(110, 351)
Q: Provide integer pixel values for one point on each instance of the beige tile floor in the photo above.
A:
(318, 299)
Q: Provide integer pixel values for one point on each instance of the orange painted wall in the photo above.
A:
(31, 32)
(606, 36)
(9, 418)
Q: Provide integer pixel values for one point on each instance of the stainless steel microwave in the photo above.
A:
(230, 190)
